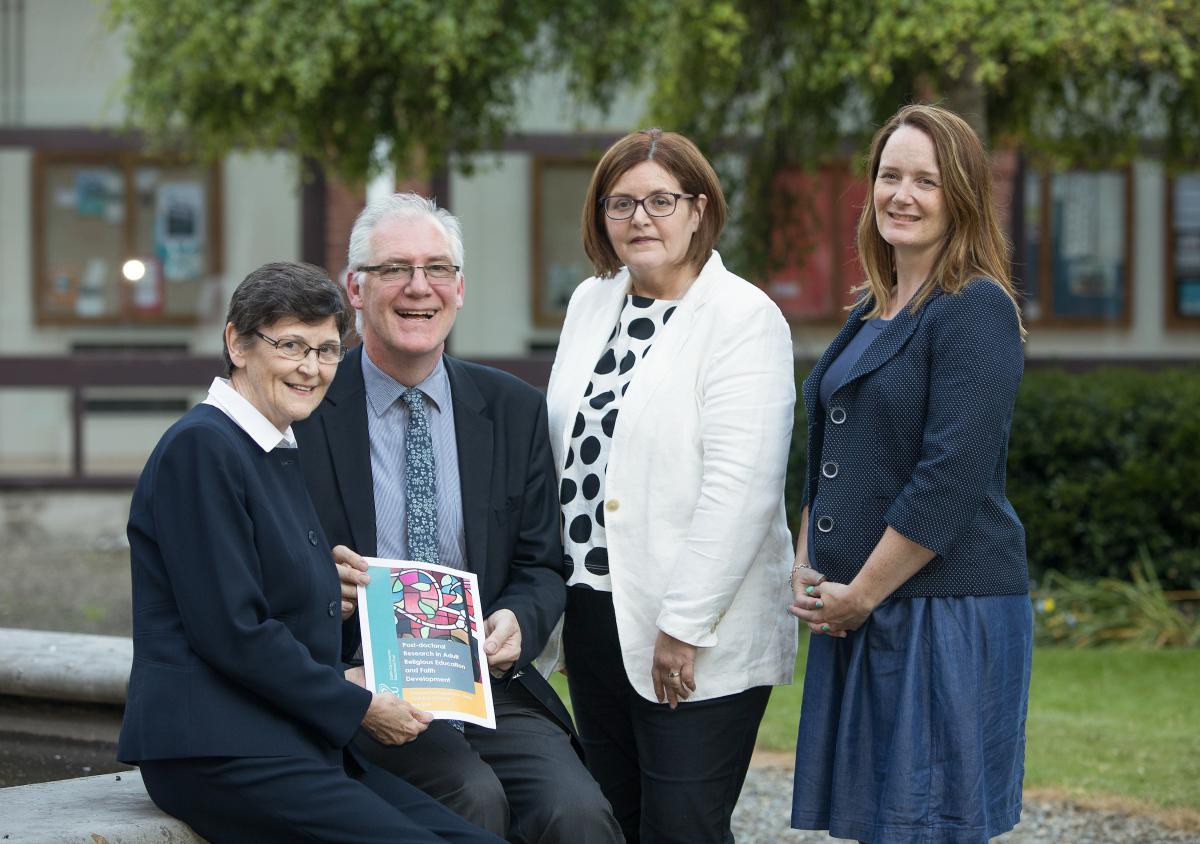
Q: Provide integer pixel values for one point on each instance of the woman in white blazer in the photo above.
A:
(671, 404)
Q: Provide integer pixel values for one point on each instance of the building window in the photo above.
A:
(121, 238)
(1183, 251)
(1074, 247)
(813, 256)
(559, 262)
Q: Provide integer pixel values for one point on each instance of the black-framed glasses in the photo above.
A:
(437, 274)
(656, 205)
(328, 353)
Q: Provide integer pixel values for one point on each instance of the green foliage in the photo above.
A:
(791, 83)
(1102, 470)
(1132, 613)
(328, 79)
(1103, 467)
(1080, 81)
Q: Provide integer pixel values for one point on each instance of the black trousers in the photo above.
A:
(672, 776)
(522, 780)
(283, 799)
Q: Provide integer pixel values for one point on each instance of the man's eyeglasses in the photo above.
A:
(656, 205)
(435, 274)
(328, 353)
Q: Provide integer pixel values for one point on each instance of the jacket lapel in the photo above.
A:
(473, 430)
(345, 422)
(674, 338)
(586, 342)
(812, 384)
(888, 343)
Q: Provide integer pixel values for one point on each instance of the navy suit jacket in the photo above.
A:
(916, 437)
(509, 497)
(236, 606)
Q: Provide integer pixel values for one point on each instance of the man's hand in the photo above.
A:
(503, 643)
(352, 570)
(673, 670)
(392, 720)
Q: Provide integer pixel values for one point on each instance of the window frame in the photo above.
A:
(831, 200)
(1172, 319)
(542, 314)
(127, 161)
(1048, 318)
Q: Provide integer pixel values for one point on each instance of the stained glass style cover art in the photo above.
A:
(422, 635)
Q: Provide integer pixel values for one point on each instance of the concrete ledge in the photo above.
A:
(108, 809)
(64, 666)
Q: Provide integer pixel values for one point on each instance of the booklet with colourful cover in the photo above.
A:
(422, 638)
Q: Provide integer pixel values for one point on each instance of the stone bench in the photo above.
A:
(64, 666)
(106, 809)
(38, 665)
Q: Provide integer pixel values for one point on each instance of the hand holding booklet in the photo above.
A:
(422, 638)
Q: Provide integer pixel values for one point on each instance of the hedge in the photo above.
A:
(1103, 466)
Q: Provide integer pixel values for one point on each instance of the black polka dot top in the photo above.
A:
(581, 492)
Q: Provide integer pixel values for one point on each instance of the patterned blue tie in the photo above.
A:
(420, 487)
(419, 481)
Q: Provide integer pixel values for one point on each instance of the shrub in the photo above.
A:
(1101, 465)
(1128, 613)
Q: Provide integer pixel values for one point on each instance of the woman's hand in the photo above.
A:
(673, 670)
(392, 720)
(352, 570)
(829, 609)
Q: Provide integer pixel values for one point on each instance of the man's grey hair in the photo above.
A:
(401, 206)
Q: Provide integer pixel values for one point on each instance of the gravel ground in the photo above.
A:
(762, 814)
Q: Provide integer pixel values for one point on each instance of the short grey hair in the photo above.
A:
(401, 206)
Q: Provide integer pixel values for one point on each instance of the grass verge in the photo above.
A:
(1104, 725)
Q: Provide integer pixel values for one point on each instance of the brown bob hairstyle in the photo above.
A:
(974, 244)
(679, 157)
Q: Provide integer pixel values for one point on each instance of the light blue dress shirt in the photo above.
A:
(387, 426)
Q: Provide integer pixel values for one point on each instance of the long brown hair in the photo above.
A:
(679, 157)
(974, 245)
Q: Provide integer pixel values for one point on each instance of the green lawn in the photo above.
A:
(1101, 722)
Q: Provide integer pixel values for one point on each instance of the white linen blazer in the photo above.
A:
(698, 544)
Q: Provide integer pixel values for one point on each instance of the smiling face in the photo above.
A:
(910, 207)
(655, 248)
(405, 323)
(283, 390)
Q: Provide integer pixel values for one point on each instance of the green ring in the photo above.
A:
(820, 604)
(808, 590)
(824, 628)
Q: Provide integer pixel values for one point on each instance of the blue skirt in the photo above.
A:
(912, 728)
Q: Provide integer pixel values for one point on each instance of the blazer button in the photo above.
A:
(333, 607)
(612, 505)
(837, 415)
(312, 537)
(829, 469)
(825, 524)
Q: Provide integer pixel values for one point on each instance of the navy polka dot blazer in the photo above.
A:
(916, 437)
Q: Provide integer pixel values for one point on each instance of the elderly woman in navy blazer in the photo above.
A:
(237, 711)
(910, 565)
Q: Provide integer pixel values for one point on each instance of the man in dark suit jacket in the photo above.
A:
(497, 515)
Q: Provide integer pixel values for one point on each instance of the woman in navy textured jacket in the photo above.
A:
(237, 711)
(910, 565)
